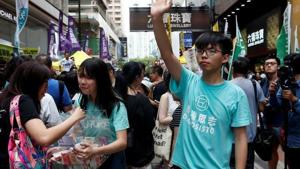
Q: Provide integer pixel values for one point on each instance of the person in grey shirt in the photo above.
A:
(240, 71)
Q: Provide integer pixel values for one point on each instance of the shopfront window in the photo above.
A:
(34, 35)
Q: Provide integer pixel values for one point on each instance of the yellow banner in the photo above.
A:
(216, 27)
(31, 51)
(181, 40)
(169, 28)
(5, 52)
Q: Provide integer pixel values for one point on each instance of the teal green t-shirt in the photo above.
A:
(209, 112)
(98, 126)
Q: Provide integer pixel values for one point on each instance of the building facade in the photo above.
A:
(115, 13)
(93, 16)
(255, 17)
(34, 36)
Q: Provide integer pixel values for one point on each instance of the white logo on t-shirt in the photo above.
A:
(201, 103)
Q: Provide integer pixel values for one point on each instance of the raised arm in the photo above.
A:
(157, 10)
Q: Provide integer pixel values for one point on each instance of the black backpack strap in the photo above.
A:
(61, 85)
(256, 100)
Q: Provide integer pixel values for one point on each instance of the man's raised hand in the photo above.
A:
(159, 7)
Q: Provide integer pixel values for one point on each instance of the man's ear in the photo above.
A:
(225, 58)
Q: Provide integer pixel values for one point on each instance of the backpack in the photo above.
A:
(60, 106)
(22, 153)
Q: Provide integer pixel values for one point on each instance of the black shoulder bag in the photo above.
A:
(264, 139)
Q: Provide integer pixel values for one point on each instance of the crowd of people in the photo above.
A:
(111, 114)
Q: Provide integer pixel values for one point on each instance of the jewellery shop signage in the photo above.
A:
(182, 18)
(7, 15)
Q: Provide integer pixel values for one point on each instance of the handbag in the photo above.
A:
(265, 138)
(162, 136)
(22, 153)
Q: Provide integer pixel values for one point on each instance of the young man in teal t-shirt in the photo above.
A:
(215, 112)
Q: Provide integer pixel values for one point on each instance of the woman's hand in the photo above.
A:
(159, 7)
(84, 151)
(78, 114)
(54, 154)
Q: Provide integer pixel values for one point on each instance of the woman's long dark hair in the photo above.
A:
(96, 69)
(130, 72)
(27, 79)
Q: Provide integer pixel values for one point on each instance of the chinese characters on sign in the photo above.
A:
(256, 38)
(178, 20)
(182, 19)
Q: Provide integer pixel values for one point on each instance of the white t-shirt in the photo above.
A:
(49, 113)
(66, 65)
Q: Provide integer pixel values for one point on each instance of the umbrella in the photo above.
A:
(55, 65)
(79, 57)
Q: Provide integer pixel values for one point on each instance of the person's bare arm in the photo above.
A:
(46, 136)
(67, 108)
(241, 147)
(163, 114)
(157, 10)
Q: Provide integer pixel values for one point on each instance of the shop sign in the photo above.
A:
(5, 52)
(182, 18)
(31, 51)
(188, 40)
(256, 38)
(7, 15)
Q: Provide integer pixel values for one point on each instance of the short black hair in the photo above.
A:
(167, 78)
(44, 59)
(214, 39)
(295, 64)
(158, 69)
(273, 57)
(241, 65)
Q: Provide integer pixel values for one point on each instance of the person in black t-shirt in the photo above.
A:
(156, 78)
(140, 144)
(30, 81)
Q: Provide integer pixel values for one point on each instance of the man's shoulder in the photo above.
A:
(52, 82)
(233, 87)
(264, 81)
(63, 60)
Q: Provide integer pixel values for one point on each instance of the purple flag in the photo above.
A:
(62, 39)
(104, 53)
(52, 42)
(75, 46)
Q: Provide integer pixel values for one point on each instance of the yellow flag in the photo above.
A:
(216, 27)
(169, 28)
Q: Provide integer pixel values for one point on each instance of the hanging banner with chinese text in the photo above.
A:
(104, 52)
(53, 42)
(74, 45)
